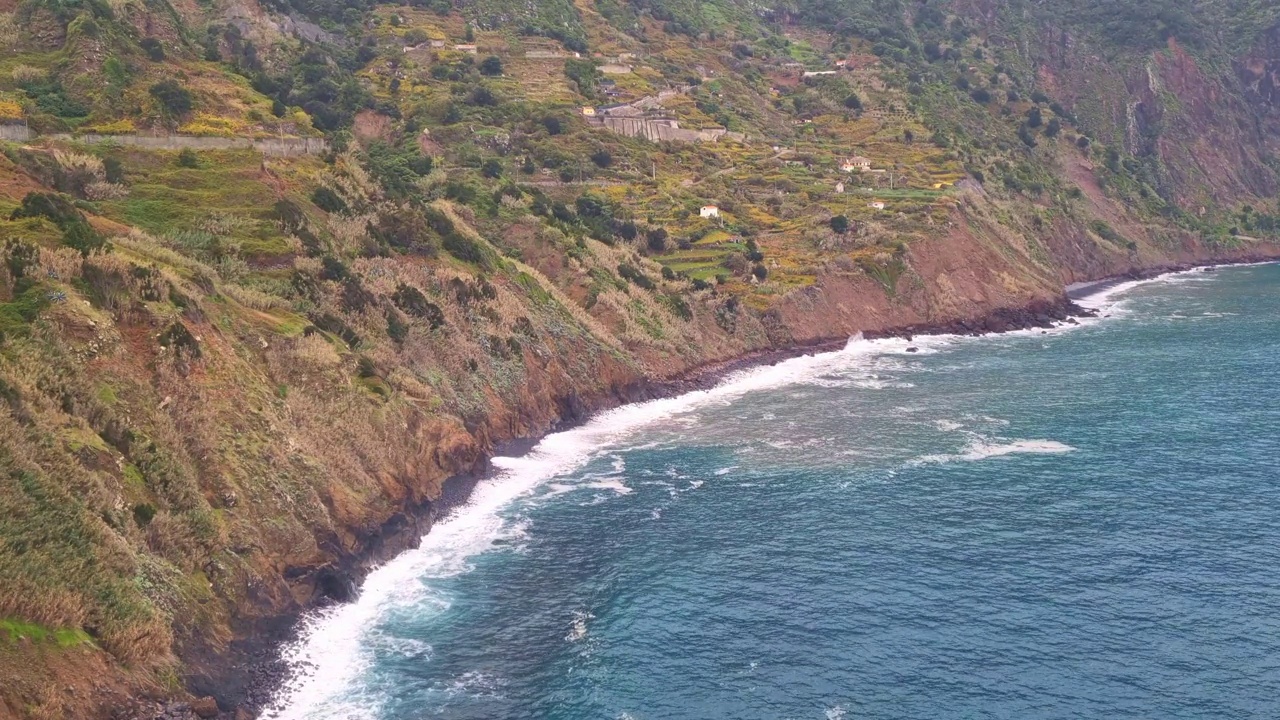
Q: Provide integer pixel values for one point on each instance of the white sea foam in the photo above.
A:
(983, 448)
(578, 626)
(613, 484)
(726, 470)
(333, 654)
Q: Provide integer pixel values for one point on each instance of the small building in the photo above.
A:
(877, 205)
(857, 163)
(588, 111)
(817, 73)
(468, 49)
(709, 211)
(437, 43)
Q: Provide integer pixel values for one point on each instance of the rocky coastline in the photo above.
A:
(253, 670)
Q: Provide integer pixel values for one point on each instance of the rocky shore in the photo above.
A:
(251, 673)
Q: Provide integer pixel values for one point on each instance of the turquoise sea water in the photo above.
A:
(1084, 523)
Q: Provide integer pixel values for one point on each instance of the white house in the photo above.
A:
(709, 211)
(857, 163)
(469, 49)
(877, 205)
(588, 111)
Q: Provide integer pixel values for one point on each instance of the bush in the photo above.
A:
(656, 239)
(174, 99)
(411, 300)
(154, 49)
(602, 158)
(187, 158)
(1034, 117)
(328, 200)
(981, 95)
(492, 66)
(760, 272)
(1053, 128)
(629, 272)
(467, 250)
(839, 224)
(492, 168)
(853, 102)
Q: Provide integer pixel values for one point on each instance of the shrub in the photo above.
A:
(1039, 97)
(760, 272)
(187, 158)
(656, 239)
(839, 224)
(1034, 117)
(174, 99)
(629, 272)
(328, 200)
(492, 168)
(602, 158)
(981, 95)
(853, 102)
(411, 300)
(492, 66)
(467, 250)
(154, 48)
(113, 170)
(1026, 136)
(1053, 127)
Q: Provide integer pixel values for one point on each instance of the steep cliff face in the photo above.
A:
(230, 382)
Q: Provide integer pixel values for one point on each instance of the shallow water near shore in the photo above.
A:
(1080, 523)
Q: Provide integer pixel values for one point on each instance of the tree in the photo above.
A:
(853, 102)
(173, 98)
(760, 272)
(839, 224)
(492, 66)
(491, 168)
(602, 158)
(1034, 117)
(1053, 128)
(981, 95)
(469, 34)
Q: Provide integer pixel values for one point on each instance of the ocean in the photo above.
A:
(1083, 522)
